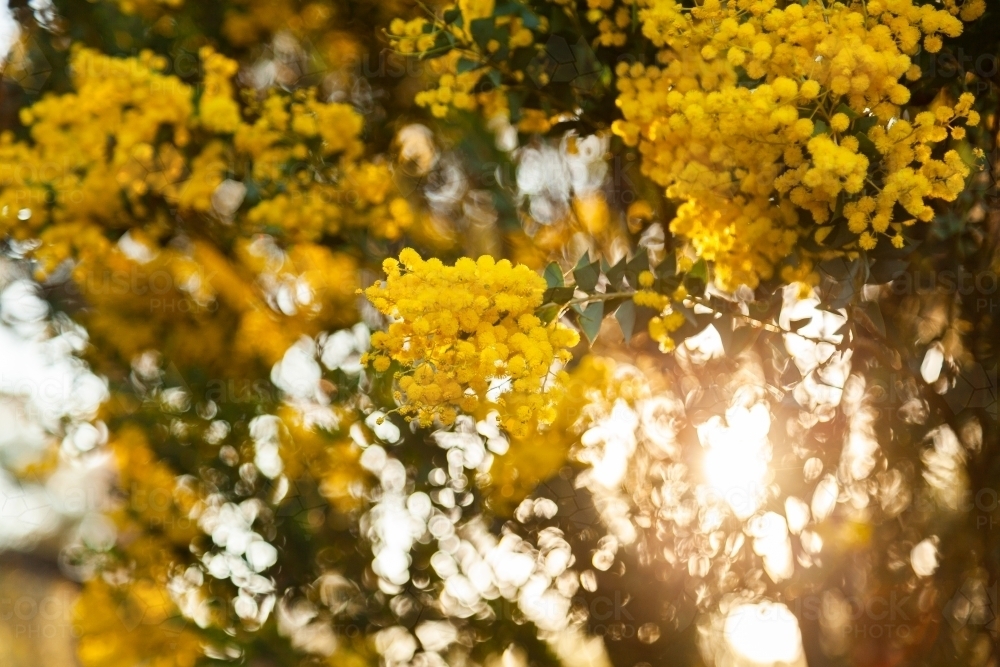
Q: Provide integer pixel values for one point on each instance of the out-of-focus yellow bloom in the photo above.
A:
(538, 452)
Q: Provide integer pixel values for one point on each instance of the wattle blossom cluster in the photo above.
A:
(337, 42)
(66, 186)
(133, 153)
(460, 331)
(460, 68)
(668, 319)
(755, 112)
(132, 139)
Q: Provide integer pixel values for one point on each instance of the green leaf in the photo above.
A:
(515, 100)
(668, 267)
(591, 318)
(742, 338)
(467, 65)
(836, 268)
(699, 270)
(553, 275)
(795, 325)
(483, 30)
(689, 315)
(617, 273)
(548, 313)
(867, 146)
(587, 276)
(557, 295)
(735, 338)
(886, 270)
(819, 127)
(444, 40)
(626, 319)
(864, 124)
(638, 264)
(873, 319)
(505, 8)
(529, 19)
(847, 111)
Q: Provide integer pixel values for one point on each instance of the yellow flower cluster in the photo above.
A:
(660, 328)
(89, 146)
(453, 90)
(159, 636)
(457, 82)
(458, 331)
(967, 10)
(756, 111)
(156, 520)
(306, 208)
(668, 320)
(131, 140)
(249, 22)
(901, 145)
(538, 452)
(330, 458)
(612, 21)
(218, 110)
(147, 8)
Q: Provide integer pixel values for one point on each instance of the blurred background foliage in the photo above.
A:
(203, 471)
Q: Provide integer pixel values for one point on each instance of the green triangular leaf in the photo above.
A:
(795, 325)
(886, 270)
(467, 65)
(587, 276)
(591, 318)
(553, 275)
(699, 271)
(875, 321)
(557, 295)
(483, 30)
(742, 338)
(847, 111)
(637, 265)
(626, 319)
(617, 273)
(548, 313)
(668, 267)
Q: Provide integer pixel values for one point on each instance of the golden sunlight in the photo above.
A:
(737, 456)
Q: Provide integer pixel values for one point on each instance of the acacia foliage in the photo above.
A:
(204, 187)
